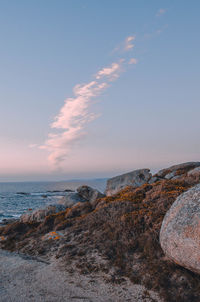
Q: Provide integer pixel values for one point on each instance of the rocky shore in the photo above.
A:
(140, 240)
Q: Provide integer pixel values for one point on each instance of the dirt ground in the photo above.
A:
(26, 279)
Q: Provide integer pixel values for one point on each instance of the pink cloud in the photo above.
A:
(75, 114)
(110, 72)
(69, 124)
(129, 43)
(126, 45)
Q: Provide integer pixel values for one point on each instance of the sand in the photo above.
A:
(26, 279)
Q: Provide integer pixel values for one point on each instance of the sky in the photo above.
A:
(93, 88)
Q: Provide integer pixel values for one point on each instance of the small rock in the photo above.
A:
(23, 193)
(6, 221)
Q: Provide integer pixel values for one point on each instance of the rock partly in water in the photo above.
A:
(135, 179)
(23, 193)
(177, 170)
(180, 231)
(39, 214)
(6, 221)
(58, 191)
(90, 194)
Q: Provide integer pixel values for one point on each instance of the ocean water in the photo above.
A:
(17, 198)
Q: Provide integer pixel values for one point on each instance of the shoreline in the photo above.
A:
(100, 246)
(19, 198)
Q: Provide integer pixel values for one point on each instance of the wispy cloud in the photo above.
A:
(112, 72)
(68, 126)
(155, 33)
(129, 43)
(161, 12)
(126, 45)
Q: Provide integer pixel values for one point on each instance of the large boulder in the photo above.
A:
(135, 179)
(180, 231)
(90, 194)
(177, 171)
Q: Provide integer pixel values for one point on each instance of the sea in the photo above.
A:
(17, 198)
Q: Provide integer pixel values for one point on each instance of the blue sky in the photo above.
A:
(148, 117)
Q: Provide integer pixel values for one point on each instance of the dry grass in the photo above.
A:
(124, 230)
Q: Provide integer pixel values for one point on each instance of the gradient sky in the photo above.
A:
(147, 117)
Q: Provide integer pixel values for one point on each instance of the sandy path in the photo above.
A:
(23, 279)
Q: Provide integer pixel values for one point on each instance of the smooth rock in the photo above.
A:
(90, 194)
(180, 231)
(177, 169)
(135, 179)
